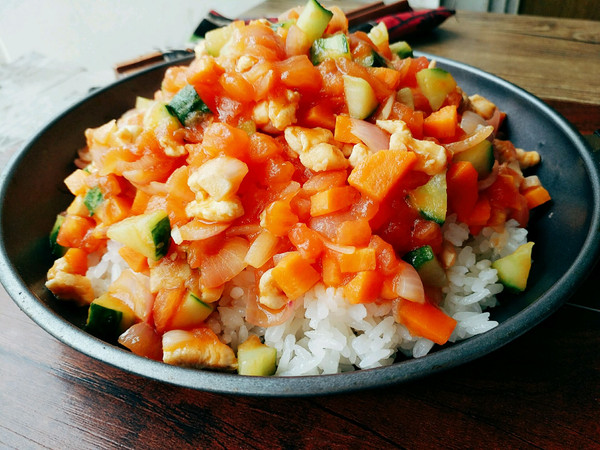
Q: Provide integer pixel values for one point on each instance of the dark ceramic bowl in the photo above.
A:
(565, 232)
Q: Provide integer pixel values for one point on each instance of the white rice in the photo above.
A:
(327, 334)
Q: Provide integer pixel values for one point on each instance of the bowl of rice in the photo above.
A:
(342, 330)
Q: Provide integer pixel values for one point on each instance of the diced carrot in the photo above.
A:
(332, 200)
(365, 287)
(278, 218)
(165, 304)
(294, 275)
(298, 72)
(389, 77)
(536, 196)
(324, 180)
(319, 115)
(77, 261)
(441, 123)
(76, 182)
(135, 260)
(387, 288)
(379, 172)
(354, 232)
(223, 139)
(73, 231)
(425, 320)
(362, 259)
(343, 130)
(263, 147)
(462, 189)
(307, 241)
(331, 273)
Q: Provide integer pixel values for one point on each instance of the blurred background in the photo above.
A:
(52, 52)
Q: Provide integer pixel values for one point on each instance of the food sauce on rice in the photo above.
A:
(281, 193)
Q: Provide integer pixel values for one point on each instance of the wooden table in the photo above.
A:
(542, 390)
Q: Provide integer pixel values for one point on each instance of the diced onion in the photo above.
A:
(471, 121)
(408, 284)
(479, 136)
(372, 136)
(345, 249)
(490, 179)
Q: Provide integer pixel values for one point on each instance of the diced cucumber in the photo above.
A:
(513, 270)
(431, 199)
(427, 265)
(313, 20)
(405, 96)
(335, 46)
(379, 34)
(108, 317)
(481, 156)
(93, 198)
(360, 97)
(192, 312)
(149, 234)
(57, 249)
(435, 85)
(256, 358)
(402, 49)
(143, 103)
(214, 40)
(374, 59)
(185, 103)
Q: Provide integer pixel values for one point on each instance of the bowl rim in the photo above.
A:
(300, 386)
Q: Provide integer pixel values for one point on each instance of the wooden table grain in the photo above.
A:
(541, 390)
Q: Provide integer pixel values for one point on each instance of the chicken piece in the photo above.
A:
(323, 157)
(280, 113)
(482, 106)
(66, 285)
(316, 148)
(199, 348)
(432, 158)
(270, 294)
(359, 152)
(213, 210)
(219, 177)
(527, 159)
(283, 113)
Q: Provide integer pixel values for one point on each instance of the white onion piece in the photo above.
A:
(471, 121)
(408, 284)
(479, 136)
(495, 121)
(345, 249)
(386, 109)
(372, 136)
(490, 179)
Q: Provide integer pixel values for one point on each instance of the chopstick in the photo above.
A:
(375, 11)
(355, 17)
